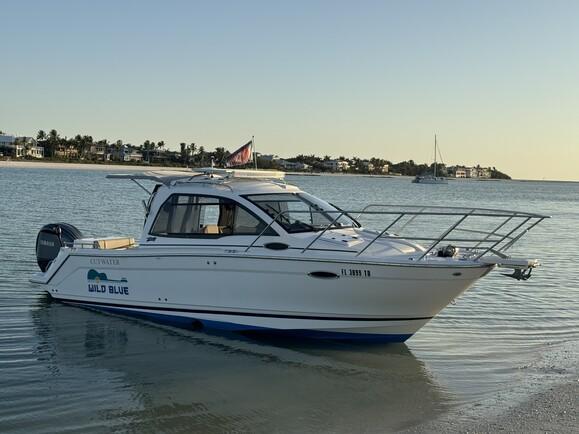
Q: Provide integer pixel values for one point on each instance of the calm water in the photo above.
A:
(70, 369)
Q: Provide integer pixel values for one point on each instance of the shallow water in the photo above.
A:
(71, 369)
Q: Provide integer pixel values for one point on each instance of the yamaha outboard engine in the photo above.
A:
(50, 239)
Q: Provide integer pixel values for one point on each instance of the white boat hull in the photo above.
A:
(429, 180)
(389, 302)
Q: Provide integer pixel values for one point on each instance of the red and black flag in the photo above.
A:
(241, 156)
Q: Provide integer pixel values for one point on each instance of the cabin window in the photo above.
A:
(301, 212)
(184, 215)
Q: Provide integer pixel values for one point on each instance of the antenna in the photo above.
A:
(435, 155)
(254, 152)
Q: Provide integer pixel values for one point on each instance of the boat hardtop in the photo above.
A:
(265, 195)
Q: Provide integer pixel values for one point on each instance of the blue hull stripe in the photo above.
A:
(187, 322)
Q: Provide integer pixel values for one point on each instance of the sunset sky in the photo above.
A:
(497, 81)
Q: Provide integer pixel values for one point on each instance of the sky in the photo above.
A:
(497, 81)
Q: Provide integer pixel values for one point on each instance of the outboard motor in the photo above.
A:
(50, 239)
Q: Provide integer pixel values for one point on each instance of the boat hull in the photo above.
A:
(430, 181)
(326, 299)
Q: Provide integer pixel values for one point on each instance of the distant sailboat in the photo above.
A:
(431, 179)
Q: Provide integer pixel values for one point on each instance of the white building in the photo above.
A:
(293, 165)
(484, 172)
(20, 147)
(471, 172)
(460, 172)
(367, 165)
(268, 157)
(336, 165)
(132, 155)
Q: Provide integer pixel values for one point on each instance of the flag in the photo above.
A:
(241, 156)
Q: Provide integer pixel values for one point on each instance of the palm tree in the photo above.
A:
(201, 154)
(184, 153)
(41, 135)
(220, 155)
(78, 144)
(147, 146)
(117, 149)
(87, 143)
(52, 142)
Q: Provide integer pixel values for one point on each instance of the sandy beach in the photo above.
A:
(133, 168)
(551, 411)
(546, 401)
(81, 166)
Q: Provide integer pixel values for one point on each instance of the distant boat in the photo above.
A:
(431, 179)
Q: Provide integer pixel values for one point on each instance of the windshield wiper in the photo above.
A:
(278, 214)
(356, 222)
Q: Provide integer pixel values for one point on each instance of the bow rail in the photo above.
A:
(475, 232)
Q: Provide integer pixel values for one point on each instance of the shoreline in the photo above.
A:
(546, 400)
(29, 164)
(81, 166)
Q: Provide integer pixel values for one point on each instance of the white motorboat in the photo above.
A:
(243, 250)
(433, 178)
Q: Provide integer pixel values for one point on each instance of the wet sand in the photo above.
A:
(547, 401)
(552, 411)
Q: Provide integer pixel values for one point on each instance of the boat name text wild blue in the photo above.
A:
(96, 280)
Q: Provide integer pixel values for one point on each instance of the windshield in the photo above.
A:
(301, 212)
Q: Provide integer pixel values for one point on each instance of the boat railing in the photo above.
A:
(475, 231)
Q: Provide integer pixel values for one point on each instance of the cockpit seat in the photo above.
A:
(211, 229)
(108, 243)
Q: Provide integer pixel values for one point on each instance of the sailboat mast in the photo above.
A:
(435, 155)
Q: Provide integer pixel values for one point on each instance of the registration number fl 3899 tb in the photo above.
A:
(355, 272)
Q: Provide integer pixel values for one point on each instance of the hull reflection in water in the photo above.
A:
(139, 375)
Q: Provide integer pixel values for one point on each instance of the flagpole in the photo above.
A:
(254, 153)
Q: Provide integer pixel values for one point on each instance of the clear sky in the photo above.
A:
(498, 81)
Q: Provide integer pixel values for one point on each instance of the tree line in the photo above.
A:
(85, 146)
(82, 147)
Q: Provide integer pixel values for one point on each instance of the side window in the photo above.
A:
(205, 216)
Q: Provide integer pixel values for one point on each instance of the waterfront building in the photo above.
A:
(269, 157)
(460, 172)
(293, 165)
(132, 155)
(20, 147)
(100, 150)
(368, 167)
(7, 144)
(68, 152)
(484, 172)
(336, 165)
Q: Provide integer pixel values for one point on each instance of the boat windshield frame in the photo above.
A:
(315, 207)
